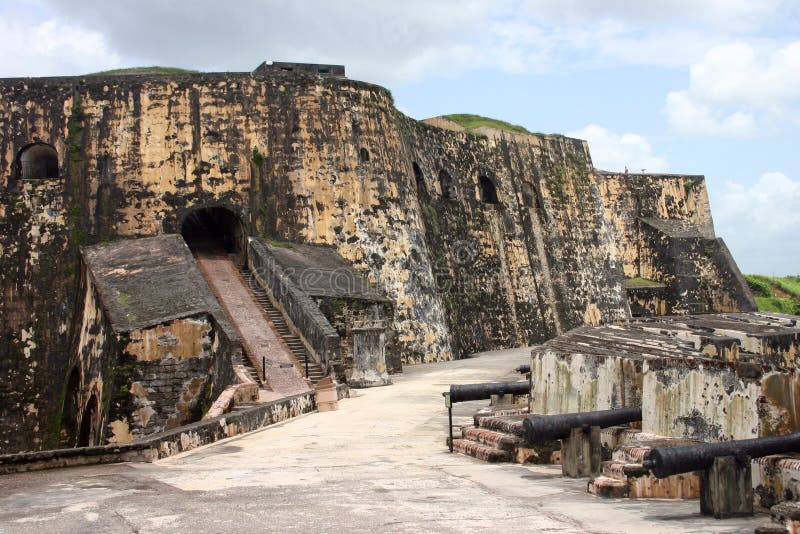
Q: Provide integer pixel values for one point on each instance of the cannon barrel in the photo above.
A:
(469, 392)
(522, 369)
(552, 427)
(666, 461)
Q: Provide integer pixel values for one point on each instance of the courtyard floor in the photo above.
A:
(378, 464)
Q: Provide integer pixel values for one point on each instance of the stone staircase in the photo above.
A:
(496, 436)
(624, 476)
(315, 372)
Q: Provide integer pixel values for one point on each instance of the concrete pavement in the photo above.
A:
(378, 464)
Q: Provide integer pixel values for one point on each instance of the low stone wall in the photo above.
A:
(712, 400)
(712, 377)
(583, 382)
(167, 443)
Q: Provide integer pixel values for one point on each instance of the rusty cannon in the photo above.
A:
(666, 461)
(581, 449)
(726, 487)
(470, 392)
(559, 426)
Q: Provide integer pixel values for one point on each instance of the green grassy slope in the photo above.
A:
(776, 293)
(143, 70)
(470, 122)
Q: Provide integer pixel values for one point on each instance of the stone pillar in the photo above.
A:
(497, 400)
(369, 355)
(581, 453)
(726, 488)
(327, 396)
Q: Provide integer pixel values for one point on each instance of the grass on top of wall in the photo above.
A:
(471, 122)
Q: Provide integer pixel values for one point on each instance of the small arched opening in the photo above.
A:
(487, 190)
(530, 197)
(447, 186)
(419, 178)
(37, 161)
(89, 435)
(69, 417)
(363, 154)
(214, 229)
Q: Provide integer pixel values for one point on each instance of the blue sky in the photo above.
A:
(686, 86)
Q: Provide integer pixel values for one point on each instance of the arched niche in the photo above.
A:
(447, 185)
(38, 161)
(530, 196)
(89, 435)
(419, 178)
(487, 191)
(69, 413)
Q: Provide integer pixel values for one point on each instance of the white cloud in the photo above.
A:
(390, 42)
(687, 115)
(736, 90)
(51, 47)
(760, 223)
(723, 13)
(614, 152)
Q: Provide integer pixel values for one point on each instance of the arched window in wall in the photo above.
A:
(363, 154)
(38, 161)
(69, 417)
(530, 197)
(447, 186)
(419, 178)
(89, 434)
(487, 190)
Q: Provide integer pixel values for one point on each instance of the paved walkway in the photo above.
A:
(378, 464)
(256, 332)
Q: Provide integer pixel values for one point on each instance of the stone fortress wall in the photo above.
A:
(480, 241)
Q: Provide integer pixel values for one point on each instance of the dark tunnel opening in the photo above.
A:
(214, 229)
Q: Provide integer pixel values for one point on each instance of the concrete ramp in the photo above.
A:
(262, 343)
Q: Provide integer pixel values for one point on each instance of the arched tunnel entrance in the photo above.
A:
(89, 435)
(215, 229)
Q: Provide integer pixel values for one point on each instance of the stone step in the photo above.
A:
(641, 484)
(786, 515)
(778, 478)
(622, 470)
(630, 453)
(603, 486)
(615, 436)
(638, 446)
(501, 410)
(295, 345)
(492, 438)
(511, 424)
(480, 451)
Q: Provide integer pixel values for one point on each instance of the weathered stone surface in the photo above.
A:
(284, 153)
(726, 488)
(369, 356)
(144, 282)
(709, 377)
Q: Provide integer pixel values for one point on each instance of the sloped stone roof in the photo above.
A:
(142, 282)
(320, 272)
